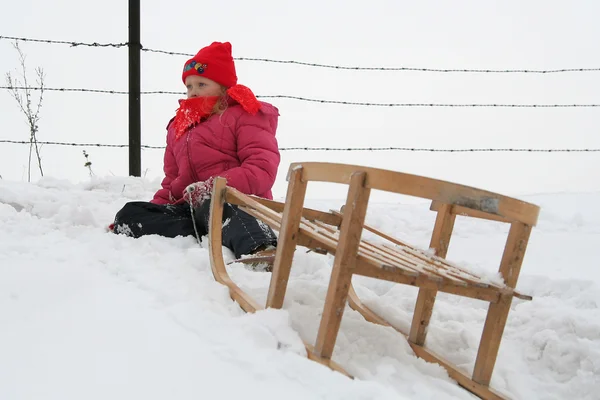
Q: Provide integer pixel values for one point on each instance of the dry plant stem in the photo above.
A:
(26, 106)
(88, 163)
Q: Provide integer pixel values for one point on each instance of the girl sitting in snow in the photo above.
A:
(220, 130)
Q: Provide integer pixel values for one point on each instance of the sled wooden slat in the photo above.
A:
(416, 264)
(388, 258)
(308, 213)
(374, 266)
(435, 260)
(402, 261)
(392, 274)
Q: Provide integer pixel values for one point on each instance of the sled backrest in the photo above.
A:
(440, 192)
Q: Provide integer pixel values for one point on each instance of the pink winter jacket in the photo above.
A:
(235, 145)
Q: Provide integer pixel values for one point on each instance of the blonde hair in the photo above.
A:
(221, 105)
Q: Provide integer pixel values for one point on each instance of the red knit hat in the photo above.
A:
(213, 62)
(216, 63)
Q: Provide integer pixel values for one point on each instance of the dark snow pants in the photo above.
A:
(242, 233)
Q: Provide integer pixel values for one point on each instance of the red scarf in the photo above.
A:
(196, 109)
(192, 111)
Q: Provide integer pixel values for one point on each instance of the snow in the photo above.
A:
(88, 314)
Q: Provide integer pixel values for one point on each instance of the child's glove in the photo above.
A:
(198, 192)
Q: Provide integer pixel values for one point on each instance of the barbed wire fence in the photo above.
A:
(324, 101)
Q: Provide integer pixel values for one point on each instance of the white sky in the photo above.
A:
(431, 34)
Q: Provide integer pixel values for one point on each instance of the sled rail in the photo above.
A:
(340, 234)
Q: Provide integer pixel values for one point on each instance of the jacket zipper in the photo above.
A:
(192, 170)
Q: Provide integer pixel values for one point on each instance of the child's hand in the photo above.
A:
(198, 192)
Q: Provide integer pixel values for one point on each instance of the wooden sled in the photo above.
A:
(339, 234)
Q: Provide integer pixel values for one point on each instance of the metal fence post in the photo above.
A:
(135, 117)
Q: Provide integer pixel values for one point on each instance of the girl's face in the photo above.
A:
(198, 86)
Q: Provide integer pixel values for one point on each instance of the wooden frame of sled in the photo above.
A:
(340, 234)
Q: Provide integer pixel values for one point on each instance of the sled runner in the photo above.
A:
(339, 234)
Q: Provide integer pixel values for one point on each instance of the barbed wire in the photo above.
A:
(70, 43)
(104, 91)
(172, 53)
(419, 69)
(78, 144)
(49, 89)
(367, 104)
(322, 101)
(317, 65)
(415, 149)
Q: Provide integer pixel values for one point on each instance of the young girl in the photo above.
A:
(220, 130)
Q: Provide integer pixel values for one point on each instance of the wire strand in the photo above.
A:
(70, 43)
(317, 65)
(321, 101)
(415, 149)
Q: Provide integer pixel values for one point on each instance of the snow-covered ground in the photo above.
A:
(85, 314)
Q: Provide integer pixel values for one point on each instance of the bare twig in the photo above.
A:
(17, 90)
(36, 116)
